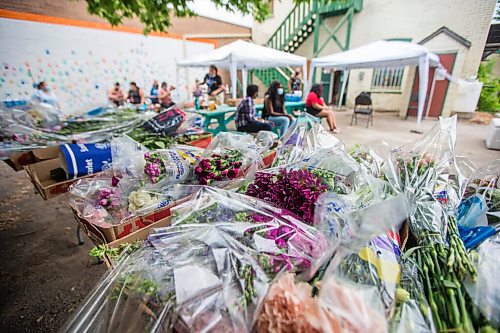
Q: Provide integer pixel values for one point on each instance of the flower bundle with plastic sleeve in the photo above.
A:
(210, 269)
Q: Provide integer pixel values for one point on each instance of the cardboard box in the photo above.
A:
(39, 174)
(139, 235)
(18, 161)
(102, 235)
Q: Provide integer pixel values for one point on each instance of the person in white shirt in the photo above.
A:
(44, 95)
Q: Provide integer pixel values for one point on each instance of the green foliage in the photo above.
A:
(489, 101)
(156, 14)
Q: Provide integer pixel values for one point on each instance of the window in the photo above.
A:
(387, 78)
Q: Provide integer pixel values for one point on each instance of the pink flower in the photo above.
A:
(147, 155)
(105, 193)
(203, 181)
(197, 170)
(103, 202)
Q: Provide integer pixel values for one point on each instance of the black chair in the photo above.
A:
(363, 106)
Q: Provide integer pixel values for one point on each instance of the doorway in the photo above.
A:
(331, 80)
(440, 89)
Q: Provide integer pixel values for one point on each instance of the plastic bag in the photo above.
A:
(206, 273)
(480, 204)
(229, 156)
(167, 122)
(287, 241)
(152, 169)
(485, 292)
(303, 138)
(340, 307)
(421, 171)
(106, 201)
(413, 313)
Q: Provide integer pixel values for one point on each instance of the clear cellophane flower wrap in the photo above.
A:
(152, 170)
(480, 203)
(355, 290)
(433, 179)
(106, 200)
(485, 292)
(425, 171)
(412, 312)
(229, 156)
(38, 126)
(208, 272)
(304, 137)
(297, 186)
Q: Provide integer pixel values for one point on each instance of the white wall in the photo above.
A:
(81, 64)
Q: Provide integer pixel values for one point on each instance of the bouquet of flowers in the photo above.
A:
(428, 173)
(303, 138)
(229, 156)
(153, 170)
(209, 270)
(106, 201)
(39, 126)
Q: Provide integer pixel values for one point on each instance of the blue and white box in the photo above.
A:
(85, 159)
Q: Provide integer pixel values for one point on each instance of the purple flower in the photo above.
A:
(197, 170)
(115, 181)
(203, 181)
(103, 202)
(205, 164)
(147, 155)
(237, 164)
(232, 173)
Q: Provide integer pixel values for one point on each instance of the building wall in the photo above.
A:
(81, 64)
(198, 25)
(385, 19)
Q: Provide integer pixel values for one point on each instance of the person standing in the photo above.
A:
(115, 95)
(295, 84)
(213, 81)
(44, 95)
(316, 106)
(136, 94)
(274, 107)
(245, 113)
(154, 92)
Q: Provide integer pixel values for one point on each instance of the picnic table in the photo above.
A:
(219, 115)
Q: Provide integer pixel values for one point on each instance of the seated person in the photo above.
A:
(274, 107)
(136, 94)
(44, 95)
(245, 113)
(316, 106)
(164, 96)
(154, 92)
(115, 95)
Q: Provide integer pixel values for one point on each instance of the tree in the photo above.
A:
(156, 14)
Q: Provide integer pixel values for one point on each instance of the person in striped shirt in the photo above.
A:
(245, 113)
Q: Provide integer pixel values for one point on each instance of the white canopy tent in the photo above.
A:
(244, 55)
(383, 54)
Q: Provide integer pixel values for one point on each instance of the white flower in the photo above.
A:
(140, 199)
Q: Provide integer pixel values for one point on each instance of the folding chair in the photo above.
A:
(363, 106)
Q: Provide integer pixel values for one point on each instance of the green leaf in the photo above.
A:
(160, 144)
(156, 14)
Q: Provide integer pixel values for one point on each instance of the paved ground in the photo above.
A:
(45, 274)
(395, 132)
